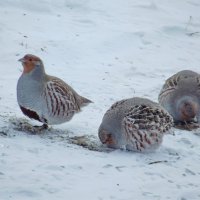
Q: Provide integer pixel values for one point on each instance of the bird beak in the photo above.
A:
(22, 60)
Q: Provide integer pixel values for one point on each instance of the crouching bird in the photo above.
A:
(180, 96)
(46, 98)
(135, 124)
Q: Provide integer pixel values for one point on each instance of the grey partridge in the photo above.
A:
(180, 96)
(135, 124)
(46, 98)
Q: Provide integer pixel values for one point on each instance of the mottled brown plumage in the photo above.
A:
(46, 98)
(180, 96)
(135, 124)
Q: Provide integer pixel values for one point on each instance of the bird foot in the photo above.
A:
(187, 125)
(23, 125)
(38, 129)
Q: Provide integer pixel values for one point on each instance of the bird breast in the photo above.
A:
(29, 93)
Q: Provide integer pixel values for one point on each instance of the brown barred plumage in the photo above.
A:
(136, 124)
(180, 96)
(47, 97)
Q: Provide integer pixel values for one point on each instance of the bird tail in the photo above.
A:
(84, 101)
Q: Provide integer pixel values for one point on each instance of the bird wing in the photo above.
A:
(176, 80)
(144, 126)
(60, 98)
(170, 84)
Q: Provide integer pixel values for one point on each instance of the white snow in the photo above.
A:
(106, 50)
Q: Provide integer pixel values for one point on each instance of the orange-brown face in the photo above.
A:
(29, 62)
(189, 111)
(107, 138)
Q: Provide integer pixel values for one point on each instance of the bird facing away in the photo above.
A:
(135, 124)
(180, 96)
(46, 98)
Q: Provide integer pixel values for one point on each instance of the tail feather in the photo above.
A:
(84, 101)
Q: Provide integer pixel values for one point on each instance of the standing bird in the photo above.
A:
(180, 96)
(135, 124)
(43, 97)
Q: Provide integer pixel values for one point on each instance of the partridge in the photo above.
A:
(46, 98)
(135, 124)
(180, 96)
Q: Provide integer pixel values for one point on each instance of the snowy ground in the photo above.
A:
(107, 50)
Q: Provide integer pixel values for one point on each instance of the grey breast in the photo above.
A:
(29, 92)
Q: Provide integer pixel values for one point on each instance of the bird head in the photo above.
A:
(188, 109)
(107, 138)
(30, 63)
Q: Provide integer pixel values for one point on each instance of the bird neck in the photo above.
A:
(38, 73)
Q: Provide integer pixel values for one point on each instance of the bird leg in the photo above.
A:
(45, 126)
(192, 125)
(40, 128)
(186, 125)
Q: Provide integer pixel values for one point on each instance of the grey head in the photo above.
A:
(33, 67)
(110, 130)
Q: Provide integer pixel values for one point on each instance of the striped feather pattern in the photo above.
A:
(169, 86)
(180, 96)
(60, 99)
(175, 81)
(144, 126)
(135, 124)
(46, 98)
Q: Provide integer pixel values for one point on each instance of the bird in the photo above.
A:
(46, 98)
(134, 124)
(180, 96)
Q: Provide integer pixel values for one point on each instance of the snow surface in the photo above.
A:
(106, 50)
